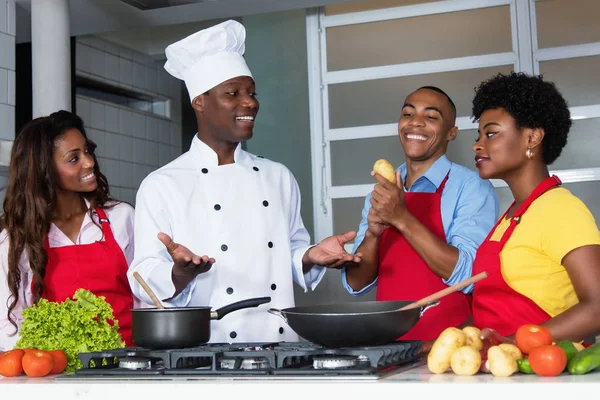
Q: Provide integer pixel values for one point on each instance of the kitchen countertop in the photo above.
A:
(416, 381)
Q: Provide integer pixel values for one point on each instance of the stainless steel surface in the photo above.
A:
(254, 363)
(227, 362)
(359, 378)
(334, 362)
(134, 363)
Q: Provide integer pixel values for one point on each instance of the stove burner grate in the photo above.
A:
(285, 358)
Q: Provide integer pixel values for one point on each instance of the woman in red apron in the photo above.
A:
(543, 255)
(61, 230)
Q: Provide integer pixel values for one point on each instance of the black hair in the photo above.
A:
(532, 102)
(31, 198)
(437, 89)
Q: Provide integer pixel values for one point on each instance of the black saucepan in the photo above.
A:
(368, 323)
(180, 327)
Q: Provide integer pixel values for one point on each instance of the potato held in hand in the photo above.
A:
(438, 359)
(385, 169)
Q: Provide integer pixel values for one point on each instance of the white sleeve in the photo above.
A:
(8, 333)
(151, 259)
(300, 243)
(122, 218)
(129, 249)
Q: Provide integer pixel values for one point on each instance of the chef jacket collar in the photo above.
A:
(201, 151)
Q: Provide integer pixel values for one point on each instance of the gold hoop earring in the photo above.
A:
(529, 153)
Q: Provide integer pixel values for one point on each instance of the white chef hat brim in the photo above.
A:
(214, 70)
(209, 57)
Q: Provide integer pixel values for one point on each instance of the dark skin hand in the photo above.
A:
(388, 203)
(388, 208)
(330, 253)
(186, 264)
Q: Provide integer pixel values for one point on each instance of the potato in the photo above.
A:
(385, 169)
(513, 350)
(465, 361)
(473, 337)
(501, 363)
(438, 359)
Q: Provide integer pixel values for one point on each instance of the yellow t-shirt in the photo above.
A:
(553, 225)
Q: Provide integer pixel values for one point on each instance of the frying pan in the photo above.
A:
(178, 327)
(368, 323)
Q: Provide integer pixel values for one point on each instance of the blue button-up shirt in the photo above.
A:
(469, 208)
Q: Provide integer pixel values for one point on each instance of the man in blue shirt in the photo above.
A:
(421, 234)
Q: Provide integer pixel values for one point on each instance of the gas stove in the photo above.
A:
(267, 360)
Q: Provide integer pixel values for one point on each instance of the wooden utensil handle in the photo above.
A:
(445, 292)
(149, 291)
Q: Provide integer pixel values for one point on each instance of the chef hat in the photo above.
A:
(208, 57)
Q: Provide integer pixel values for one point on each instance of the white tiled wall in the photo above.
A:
(7, 69)
(7, 86)
(131, 143)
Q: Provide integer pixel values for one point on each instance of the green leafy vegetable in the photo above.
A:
(74, 326)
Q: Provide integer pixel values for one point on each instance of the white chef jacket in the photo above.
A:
(246, 215)
(121, 222)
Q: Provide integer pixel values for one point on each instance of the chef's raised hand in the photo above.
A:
(387, 200)
(330, 252)
(186, 264)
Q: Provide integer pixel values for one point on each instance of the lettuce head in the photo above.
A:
(83, 324)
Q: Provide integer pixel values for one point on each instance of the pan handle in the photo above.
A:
(223, 311)
(279, 313)
(429, 305)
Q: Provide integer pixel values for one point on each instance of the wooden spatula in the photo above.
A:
(149, 291)
(444, 292)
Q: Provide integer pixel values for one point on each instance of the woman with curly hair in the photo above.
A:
(61, 230)
(543, 255)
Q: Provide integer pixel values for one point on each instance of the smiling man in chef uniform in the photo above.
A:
(241, 211)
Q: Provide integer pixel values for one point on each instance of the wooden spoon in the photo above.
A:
(149, 291)
(444, 292)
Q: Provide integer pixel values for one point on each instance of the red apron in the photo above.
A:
(99, 267)
(495, 304)
(404, 275)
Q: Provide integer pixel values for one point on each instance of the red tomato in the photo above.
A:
(548, 360)
(529, 336)
(10, 362)
(60, 361)
(37, 363)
